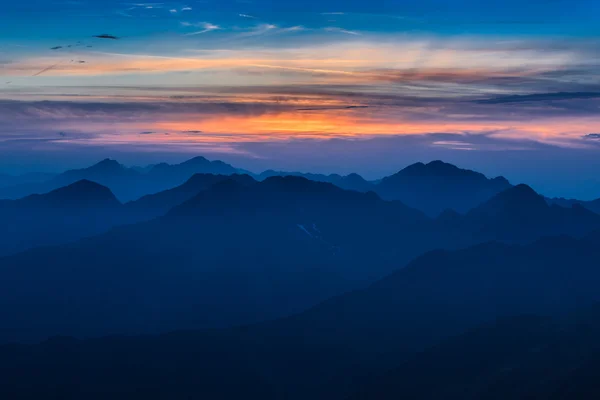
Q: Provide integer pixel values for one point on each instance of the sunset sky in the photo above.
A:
(505, 87)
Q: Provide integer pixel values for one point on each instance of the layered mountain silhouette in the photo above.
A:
(193, 166)
(107, 172)
(434, 283)
(81, 209)
(593, 205)
(85, 208)
(519, 213)
(348, 182)
(81, 194)
(279, 246)
(126, 183)
(437, 186)
(158, 204)
(432, 188)
(415, 334)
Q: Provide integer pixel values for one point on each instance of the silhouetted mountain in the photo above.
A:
(155, 205)
(81, 209)
(348, 182)
(107, 172)
(193, 166)
(593, 205)
(280, 245)
(126, 183)
(81, 194)
(105, 169)
(235, 253)
(437, 186)
(414, 323)
(519, 213)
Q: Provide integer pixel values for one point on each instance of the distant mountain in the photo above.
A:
(235, 253)
(281, 245)
(437, 186)
(107, 173)
(419, 330)
(192, 166)
(81, 209)
(81, 194)
(158, 204)
(106, 169)
(519, 213)
(593, 205)
(348, 182)
(127, 183)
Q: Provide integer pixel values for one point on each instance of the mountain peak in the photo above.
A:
(438, 185)
(198, 160)
(435, 169)
(84, 190)
(520, 199)
(441, 164)
(81, 193)
(522, 194)
(107, 163)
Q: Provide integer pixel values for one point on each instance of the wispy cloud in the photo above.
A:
(206, 27)
(259, 30)
(297, 28)
(247, 16)
(341, 30)
(541, 97)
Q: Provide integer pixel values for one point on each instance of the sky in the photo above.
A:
(505, 87)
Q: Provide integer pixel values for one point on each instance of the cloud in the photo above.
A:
(592, 136)
(541, 97)
(246, 16)
(259, 30)
(455, 145)
(297, 28)
(207, 27)
(341, 30)
(458, 68)
(331, 108)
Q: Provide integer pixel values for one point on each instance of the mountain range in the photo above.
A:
(81, 209)
(434, 283)
(281, 245)
(127, 183)
(432, 188)
(86, 208)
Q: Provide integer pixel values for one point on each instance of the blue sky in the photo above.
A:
(506, 87)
